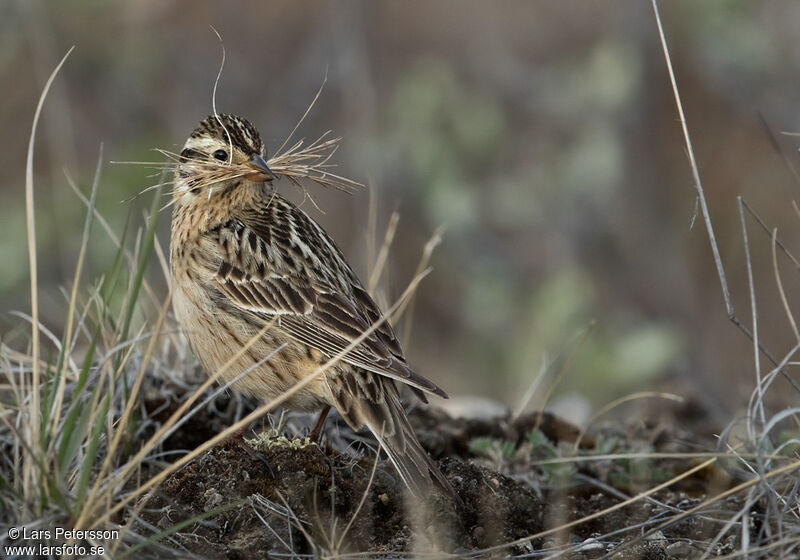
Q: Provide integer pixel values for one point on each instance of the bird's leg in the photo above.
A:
(317, 431)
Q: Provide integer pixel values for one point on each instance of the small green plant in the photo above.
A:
(498, 450)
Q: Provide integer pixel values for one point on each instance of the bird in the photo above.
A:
(245, 260)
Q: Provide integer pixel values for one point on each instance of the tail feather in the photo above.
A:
(405, 452)
(374, 402)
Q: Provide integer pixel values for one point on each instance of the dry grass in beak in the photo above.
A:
(312, 163)
(298, 163)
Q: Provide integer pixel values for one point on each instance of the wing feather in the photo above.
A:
(303, 292)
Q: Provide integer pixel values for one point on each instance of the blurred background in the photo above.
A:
(542, 135)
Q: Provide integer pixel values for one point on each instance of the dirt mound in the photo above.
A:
(290, 497)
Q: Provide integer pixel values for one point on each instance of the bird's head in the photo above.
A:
(223, 152)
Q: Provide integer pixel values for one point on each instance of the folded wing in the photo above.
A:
(281, 279)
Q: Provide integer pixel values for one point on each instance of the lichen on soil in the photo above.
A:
(291, 498)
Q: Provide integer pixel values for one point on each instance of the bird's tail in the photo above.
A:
(387, 420)
(407, 455)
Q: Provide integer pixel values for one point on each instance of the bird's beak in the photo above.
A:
(262, 172)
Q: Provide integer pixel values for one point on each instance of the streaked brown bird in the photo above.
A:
(243, 257)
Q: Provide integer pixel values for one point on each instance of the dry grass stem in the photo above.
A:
(33, 424)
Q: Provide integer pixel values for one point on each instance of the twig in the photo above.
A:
(702, 198)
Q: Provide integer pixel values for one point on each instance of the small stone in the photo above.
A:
(478, 534)
(384, 498)
(211, 499)
(680, 549)
(590, 545)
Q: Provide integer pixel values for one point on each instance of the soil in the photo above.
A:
(278, 496)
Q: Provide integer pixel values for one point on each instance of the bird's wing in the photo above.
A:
(279, 279)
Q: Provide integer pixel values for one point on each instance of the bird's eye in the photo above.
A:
(221, 155)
